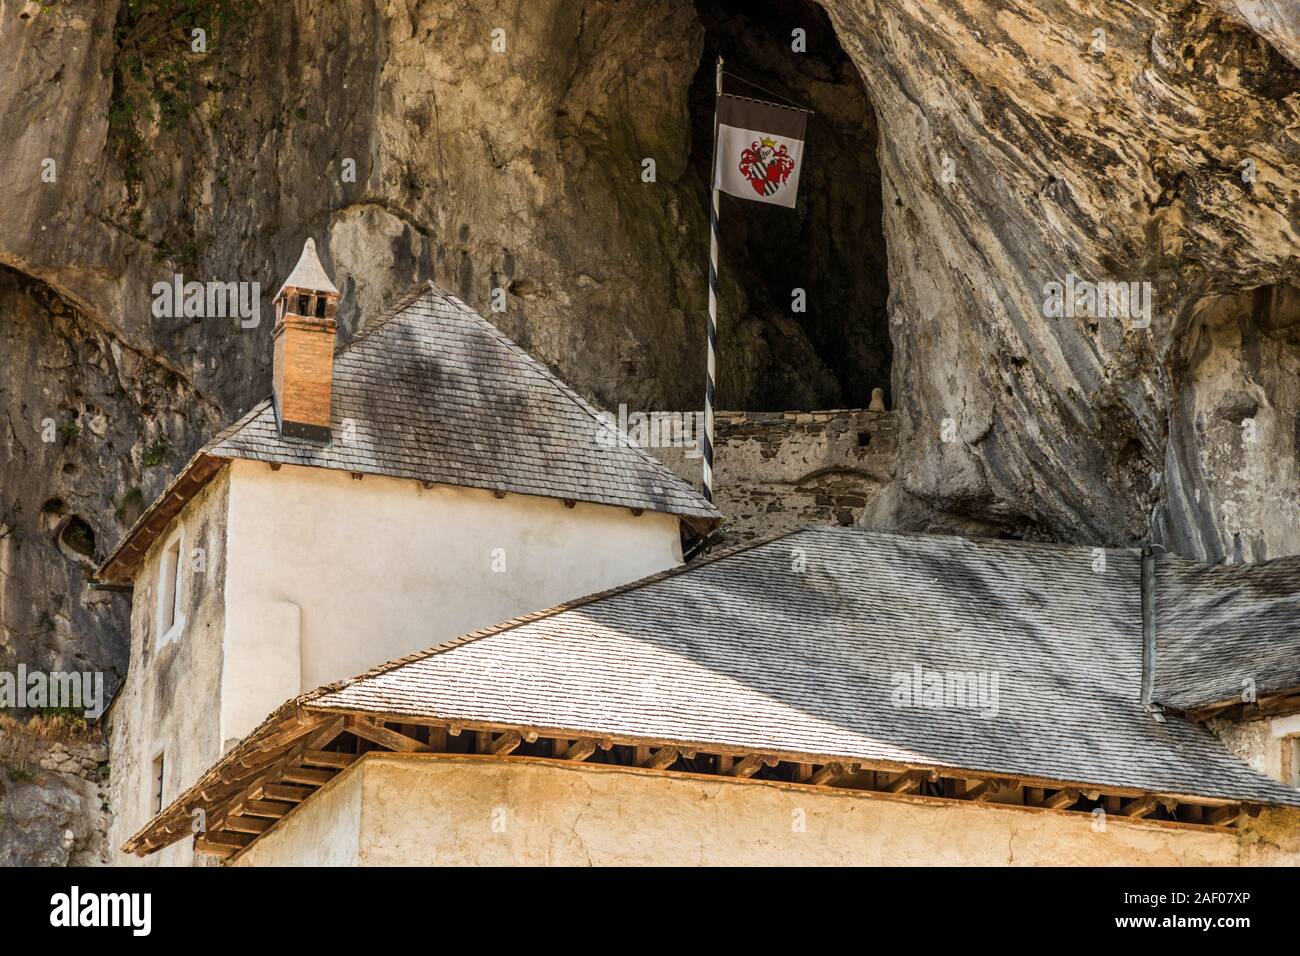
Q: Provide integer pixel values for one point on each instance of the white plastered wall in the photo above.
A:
(328, 575)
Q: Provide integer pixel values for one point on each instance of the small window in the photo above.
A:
(169, 589)
(303, 305)
(156, 792)
(320, 306)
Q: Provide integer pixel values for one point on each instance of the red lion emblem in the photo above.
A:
(766, 165)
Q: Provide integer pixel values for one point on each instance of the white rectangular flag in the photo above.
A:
(760, 149)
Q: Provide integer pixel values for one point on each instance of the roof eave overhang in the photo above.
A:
(239, 777)
(1277, 702)
(120, 566)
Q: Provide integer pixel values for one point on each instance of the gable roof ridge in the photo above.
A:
(565, 388)
(512, 623)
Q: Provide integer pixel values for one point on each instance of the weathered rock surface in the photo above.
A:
(1116, 155)
(53, 810)
(522, 170)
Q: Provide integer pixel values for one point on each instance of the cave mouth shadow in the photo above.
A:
(832, 245)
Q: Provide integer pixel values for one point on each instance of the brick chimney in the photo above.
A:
(304, 349)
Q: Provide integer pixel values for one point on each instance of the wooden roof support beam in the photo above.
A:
(280, 791)
(251, 765)
(747, 767)
(389, 739)
(291, 730)
(328, 758)
(248, 824)
(983, 792)
(1062, 799)
(908, 780)
(581, 750)
(505, 744)
(208, 848)
(224, 838)
(1140, 807)
(827, 775)
(1224, 816)
(326, 734)
(661, 758)
(307, 776)
(265, 808)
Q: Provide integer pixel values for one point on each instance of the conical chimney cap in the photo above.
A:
(308, 273)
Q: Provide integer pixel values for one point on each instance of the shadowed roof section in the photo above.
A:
(748, 651)
(436, 393)
(433, 392)
(1225, 629)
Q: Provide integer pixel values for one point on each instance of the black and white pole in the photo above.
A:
(713, 302)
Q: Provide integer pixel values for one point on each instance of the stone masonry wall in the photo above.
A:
(776, 471)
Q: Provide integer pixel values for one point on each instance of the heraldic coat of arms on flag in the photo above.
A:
(760, 149)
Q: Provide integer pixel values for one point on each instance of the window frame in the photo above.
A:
(1286, 734)
(157, 783)
(169, 590)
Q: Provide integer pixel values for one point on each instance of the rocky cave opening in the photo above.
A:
(832, 245)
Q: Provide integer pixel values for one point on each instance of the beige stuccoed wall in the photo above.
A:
(436, 810)
(330, 576)
(170, 700)
(330, 835)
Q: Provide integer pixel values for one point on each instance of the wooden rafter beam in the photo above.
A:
(1224, 816)
(1062, 799)
(827, 775)
(208, 848)
(988, 789)
(746, 767)
(311, 732)
(580, 750)
(227, 839)
(1140, 807)
(248, 824)
(661, 758)
(911, 780)
(264, 808)
(328, 758)
(323, 737)
(307, 776)
(505, 744)
(389, 739)
(286, 793)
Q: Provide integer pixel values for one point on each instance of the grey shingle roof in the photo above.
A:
(1219, 626)
(434, 392)
(746, 652)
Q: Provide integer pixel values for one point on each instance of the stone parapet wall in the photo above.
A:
(775, 471)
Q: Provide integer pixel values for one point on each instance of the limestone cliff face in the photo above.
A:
(1113, 155)
(980, 149)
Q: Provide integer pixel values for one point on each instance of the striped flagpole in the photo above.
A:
(713, 302)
